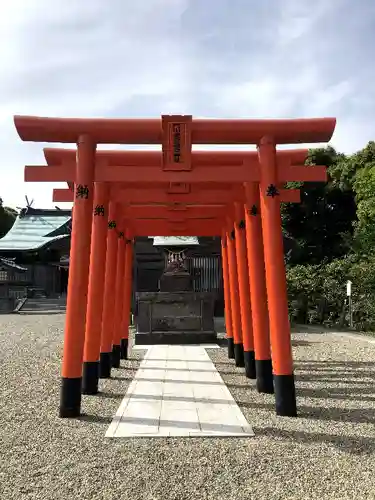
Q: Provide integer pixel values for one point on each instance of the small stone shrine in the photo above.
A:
(175, 314)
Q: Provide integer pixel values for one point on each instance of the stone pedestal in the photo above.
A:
(176, 282)
(175, 318)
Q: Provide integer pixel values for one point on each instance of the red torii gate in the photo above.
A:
(253, 260)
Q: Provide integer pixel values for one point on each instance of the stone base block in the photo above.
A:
(176, 338)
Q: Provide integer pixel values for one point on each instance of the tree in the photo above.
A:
(335, 233)
(322, 224)
(362, 164)
(7, 217)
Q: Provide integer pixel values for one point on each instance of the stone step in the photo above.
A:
(44, 304)
(46, 300)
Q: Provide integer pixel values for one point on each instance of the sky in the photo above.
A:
(208, 58)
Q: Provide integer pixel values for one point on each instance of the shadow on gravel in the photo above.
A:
(342, 378)
(224, 363)
(351, 393)
(121, 378)
(335, 372)
(239, 386)
(110, 395)
(355, 445)
(358, 416)
(95, 419)
(355, 415)
(334, 365)
(301, 343)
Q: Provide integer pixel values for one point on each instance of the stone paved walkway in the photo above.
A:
(177, 391)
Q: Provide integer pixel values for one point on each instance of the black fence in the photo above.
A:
(207, 273)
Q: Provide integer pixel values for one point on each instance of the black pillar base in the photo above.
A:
(70, 397)
(263, 368)
(124, 349)
(230, 347)
(90, 377)
(285, 395)
(249, 357)
(116, 356)
(105, 365)
(239, 355)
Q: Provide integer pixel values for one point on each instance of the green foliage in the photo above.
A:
(364, 187)
(317, 293)
(334, 232)
(7, 217)
(322, 224)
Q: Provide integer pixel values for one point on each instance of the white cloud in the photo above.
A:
(276, 58)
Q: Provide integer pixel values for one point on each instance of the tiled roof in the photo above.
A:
(34, 229)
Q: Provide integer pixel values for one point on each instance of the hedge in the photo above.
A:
(317, 293)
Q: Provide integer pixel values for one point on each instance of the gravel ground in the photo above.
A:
(327, 453)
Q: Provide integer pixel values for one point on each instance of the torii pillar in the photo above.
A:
(258, 291)
(109, 294)
(227, 304)
(282, 361)
(244, 291)
(127, 296)
(119, 299)
(75, 322)
(95, 290)
(234, 297)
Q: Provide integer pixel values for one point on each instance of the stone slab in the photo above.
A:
(175, 338)
(177, 391)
